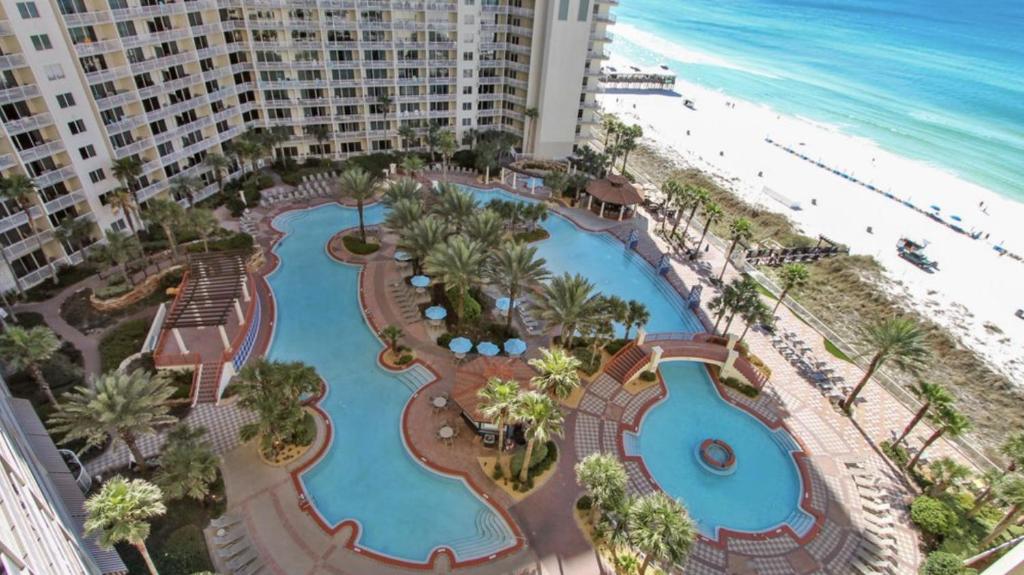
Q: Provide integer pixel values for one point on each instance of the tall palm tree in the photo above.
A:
(754, 312)
(455, 206)
(420, 239)
(485, 227)
(991, 480)
(630, 139)
(274, 391)
(186, 186)
(128, 171)
(531, 114)
(949, 422)
(116, 405)
(120, 511)
(401, 189)
(499, 399)
(792, 276)
(27, 350)
(740, 230)
(611, 125)
(945, 473)
(515, 267)
(659, 528)
(75, 233)
(542, 419)
(459, 264)
(931, 394)
(385, 103)
(391, 334)
(712, 213)
(736, 297)
(406, 134)
(404, 214)
(1011, 492)
(123, 201)
(219, 165)
(559, 375)
(188, 465)
(637, 315)
(322, 134)
(20, 189)
(118, 250)
(448, 146)
(696, 198)
(898, 340)
(1013, 450)
(675, 195)
(170, 216)
(412, 165)
(566, 301)
(359, 185)
(204, 223)
(604, 479)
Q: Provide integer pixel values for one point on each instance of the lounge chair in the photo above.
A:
(242, 560)
(251, 569)
(882, 552)
(863, 568)
(224, 521)
(879, 565)
(229, 537)
(876, 508)
(235, 548)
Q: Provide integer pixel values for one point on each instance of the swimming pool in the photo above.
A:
(763, 491)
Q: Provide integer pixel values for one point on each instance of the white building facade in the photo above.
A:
(86, 82)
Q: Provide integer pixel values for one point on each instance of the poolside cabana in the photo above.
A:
(615, 197)
(474, 375)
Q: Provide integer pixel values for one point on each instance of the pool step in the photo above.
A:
(631, 443)
(415, 377)
(492, 536)
(801, 522)
(785, 441)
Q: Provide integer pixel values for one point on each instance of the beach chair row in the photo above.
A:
(877, 550)
(234, 548)
(249, 223)
(525, 309)
(818, 372)
(319, 177)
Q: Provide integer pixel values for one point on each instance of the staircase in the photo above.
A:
(626, 363)
(207, 380)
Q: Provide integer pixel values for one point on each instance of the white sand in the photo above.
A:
(974, 288)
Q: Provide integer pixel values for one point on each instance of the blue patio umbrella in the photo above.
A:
(502, 304)
(487, 348)
(420, 281)
(936, 208)
(402, 256)
(515, 346)
(955, 218)
(460, 345)
(435, 313)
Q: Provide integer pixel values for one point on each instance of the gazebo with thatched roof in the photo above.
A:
(473, 376)
(615, 194)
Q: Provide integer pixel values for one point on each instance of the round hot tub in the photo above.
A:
(716, 456)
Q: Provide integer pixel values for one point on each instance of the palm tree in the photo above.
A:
(897, 339)
(611, 126)
(403, 215)
(118, 251)
(499, 399)
(27, 350)
(790, 277)
(447, 144)
(946, 473)
(119, 512)
(420, 239)
(543, 420)
(531, 114)
(392, 334)
(754, 312)
(385, 102)
(559, 375)
(660, 528)
(948, 422)
(992, 480)
(406, 134)
(219, 166)
(740, 230)
(401, 189)
(21, 190)
(736, 297)
(637, 315)
(1013, 449)
(515, 267)
(712, 213)
(185, 186)
(322, 134)
(1011, 492)
(485, 227)
(678, 196)
(170, 216)
(358, 184)
(697, 197)
(204, 223)
(121, 200)
(274, 391)
(75, 233)
(630, 139)
(127, 171)
(455, 206)
(412, 165)
(604, 479)
(188, 466)
(433, 138)
(459, 264)
(931, 394)
(566, 301)
(116, 405)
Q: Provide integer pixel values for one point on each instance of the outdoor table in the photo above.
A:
(446, 432)
(440, 402)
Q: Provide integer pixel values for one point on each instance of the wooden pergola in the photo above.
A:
(213, 286)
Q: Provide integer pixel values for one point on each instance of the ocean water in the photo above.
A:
(935, 80)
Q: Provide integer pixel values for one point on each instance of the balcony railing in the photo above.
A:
(29, 123)
(54, 176)
(11, 61)
(41, 151)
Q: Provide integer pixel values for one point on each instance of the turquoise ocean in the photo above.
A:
(941, 81)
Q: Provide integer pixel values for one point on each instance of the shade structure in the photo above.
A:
(487, 349)
(515, 346)
(420, 281)
(402, 256)
(502, 304)
(474, 375)
(616, 190)
(460, 345)
(435, 313)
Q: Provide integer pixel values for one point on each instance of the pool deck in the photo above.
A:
(291, 540)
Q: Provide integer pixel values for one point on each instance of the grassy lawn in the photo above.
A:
(357, 246)
(121, 342)
(831, 347)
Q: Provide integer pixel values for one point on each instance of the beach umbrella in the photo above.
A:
(420, 281)
(487, 348)
(515, 346)
(460, 345)
(435, 313)
(936, 208)
(502, 304)
(402, 256)
(955, 218)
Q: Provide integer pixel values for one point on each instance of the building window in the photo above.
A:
(467, 73)
(467, 106)
(97, 176)
(467, 56)
(467, 121)
(584, 10)
(87, 152)
(467, 89)
(54, 72)
(563, 9)
(65, 100)
(76, 127)
(28, 10)
(41, 42)
(469, 2)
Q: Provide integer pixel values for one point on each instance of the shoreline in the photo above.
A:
(975, 292)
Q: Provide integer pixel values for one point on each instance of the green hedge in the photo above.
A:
(543, 457)
(185, 551)
(121, 342)
(933, 516)
(357, 246)
(740, 386)
(113, 290)
(235, 241)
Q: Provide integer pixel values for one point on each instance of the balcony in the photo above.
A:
(133, 148)
(28, 123)
(94, 48)
(7, 161)
(5, 28)
(11, 61)
(87, 18)
(108, 75)
(126, 124)
(148, 11)
(605, 18)
(156, 38)
(57, 204)
(54, 176)
(27, 245)
(41, 151)
(116, 99)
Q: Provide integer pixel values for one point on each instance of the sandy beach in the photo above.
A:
(975, 292)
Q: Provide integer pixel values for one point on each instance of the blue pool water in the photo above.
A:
(762, 493)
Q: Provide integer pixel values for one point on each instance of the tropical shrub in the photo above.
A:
(648, 376)
(615, 345)
(942, 563)
(584, 503)
(184, 551)
(933, 516)
(113, 290)
(539, 453)
(404, 359)
(444, 339)
(740, 386)
(358, 246)
(121, 342)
